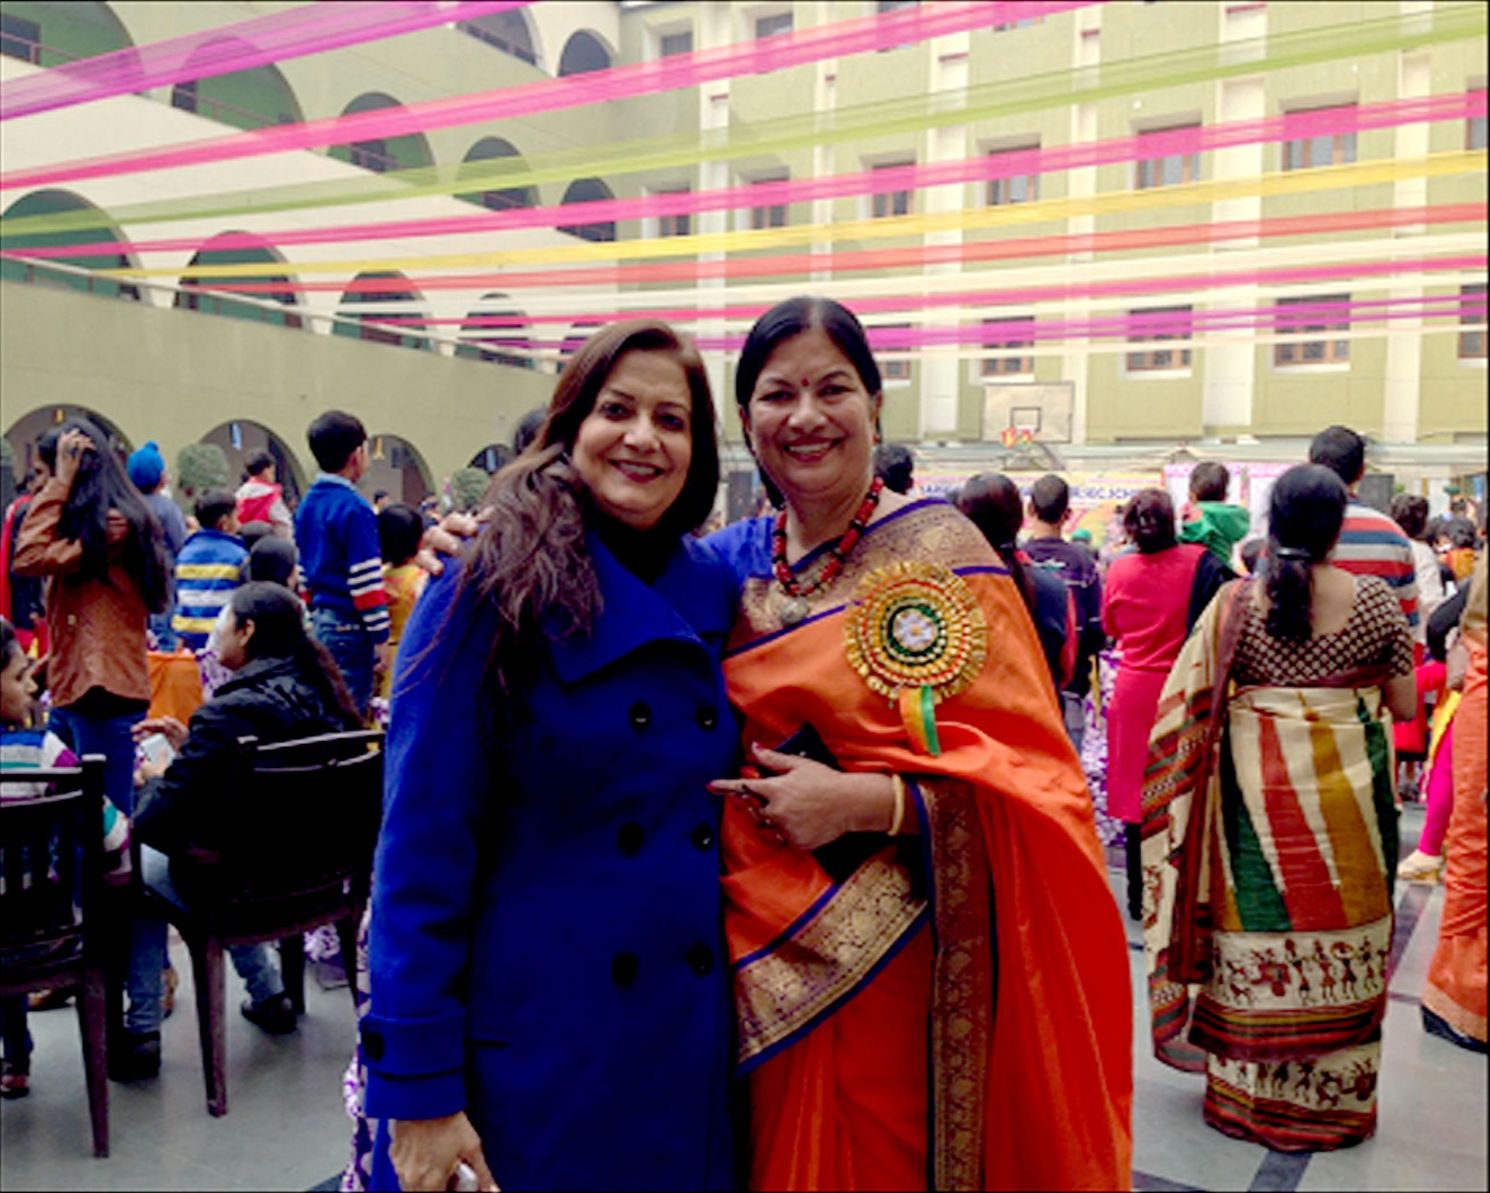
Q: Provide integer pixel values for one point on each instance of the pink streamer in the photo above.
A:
(1157, 320)
(1316, 320)
(843, 38)
(1289, 127)
(312, 29)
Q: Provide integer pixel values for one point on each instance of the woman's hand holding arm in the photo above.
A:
(811, 804)
(426, 1152)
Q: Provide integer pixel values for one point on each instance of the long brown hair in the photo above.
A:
(530, 561)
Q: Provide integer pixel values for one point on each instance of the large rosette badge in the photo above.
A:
(916, 635)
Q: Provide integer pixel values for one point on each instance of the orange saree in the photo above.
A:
(1456, 989)
(950, 1008)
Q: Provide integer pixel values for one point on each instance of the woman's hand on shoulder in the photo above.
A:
(447, 538)
(809, 804)
(426, 1153)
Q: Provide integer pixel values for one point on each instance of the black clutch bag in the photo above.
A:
(842, 857)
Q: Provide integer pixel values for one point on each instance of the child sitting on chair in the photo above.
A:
(23, 748)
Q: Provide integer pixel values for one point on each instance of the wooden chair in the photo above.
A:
(51, 935)
(301, 857)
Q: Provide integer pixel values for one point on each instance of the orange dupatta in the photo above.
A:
(1024, 973)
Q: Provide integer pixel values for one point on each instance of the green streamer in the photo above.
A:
(890, 117)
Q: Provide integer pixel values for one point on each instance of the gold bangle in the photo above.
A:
(899, 818)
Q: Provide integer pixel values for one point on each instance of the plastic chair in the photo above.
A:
(302, 858)
(51, 937)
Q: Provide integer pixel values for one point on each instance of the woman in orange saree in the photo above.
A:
(1454, 1001)
(931, 979)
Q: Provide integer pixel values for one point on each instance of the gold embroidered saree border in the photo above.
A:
(783, 990)
(964, 981)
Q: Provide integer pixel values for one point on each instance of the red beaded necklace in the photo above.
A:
(837, 553)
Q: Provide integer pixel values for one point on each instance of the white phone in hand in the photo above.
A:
(158, 749)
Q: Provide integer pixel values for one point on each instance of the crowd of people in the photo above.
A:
(766, 856)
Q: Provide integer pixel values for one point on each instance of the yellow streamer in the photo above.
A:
(1281, 183)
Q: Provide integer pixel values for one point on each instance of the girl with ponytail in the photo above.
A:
(994, 504)
(1292, 679)
(1151, 599)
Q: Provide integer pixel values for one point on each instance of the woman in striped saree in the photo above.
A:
(1270, 837)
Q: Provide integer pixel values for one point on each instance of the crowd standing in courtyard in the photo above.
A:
(802, 798)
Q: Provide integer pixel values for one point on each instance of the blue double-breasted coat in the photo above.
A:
(546, 944)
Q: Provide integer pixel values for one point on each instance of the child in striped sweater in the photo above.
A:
(23, 748)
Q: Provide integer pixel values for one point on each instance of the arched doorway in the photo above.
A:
(588, 190)
(66, 220)
(373, 326)
(240, 438)
(491, 457)
(58, 34)
(25, 431)
(497, 332)
(256, 98)
(205, 293)
(382, 154)
(584, 52)
(508, 31)
(497, 198)
(396, 467)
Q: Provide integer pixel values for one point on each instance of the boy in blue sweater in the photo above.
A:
(211, 564)
(337, 533)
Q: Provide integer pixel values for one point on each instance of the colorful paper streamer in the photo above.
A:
(985, 167)
(1285, 182)
(861, 35)
(310, 29)
(912, 115)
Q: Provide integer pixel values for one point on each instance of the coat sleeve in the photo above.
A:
(39, 550)
(437, 777)
(182, 807)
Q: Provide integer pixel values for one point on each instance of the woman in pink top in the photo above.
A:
(1151, 598)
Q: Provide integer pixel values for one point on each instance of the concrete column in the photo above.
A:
(941, 376)
(1086, 54)
(1402, 390)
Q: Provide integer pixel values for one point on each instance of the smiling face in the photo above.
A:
(633, 450)
(811, 421)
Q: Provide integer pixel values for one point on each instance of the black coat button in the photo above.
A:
(630, 837)
(702, 837)
(373, 1046)
(701, 959)
(708, 716)
(641, 715)
(623, 969)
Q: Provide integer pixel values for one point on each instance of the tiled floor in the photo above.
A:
(286, 1128)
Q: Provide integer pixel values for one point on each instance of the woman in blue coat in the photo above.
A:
(550, 996)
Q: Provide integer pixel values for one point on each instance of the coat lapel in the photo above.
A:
(676, 608)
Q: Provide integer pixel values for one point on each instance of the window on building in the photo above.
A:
(1009, 338)
(184, 95)
(674, 225)
(1472, 319)
(1162, 327)
(1474, 128)
(780, 22)
(20, 38)
(895, 370)
(769, 215)
(372, 155)
(1013, 188)
(1310, 314)
(506, 31)
(1308, 153)
(670, 44)
(884, 204)
(1171, 169)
